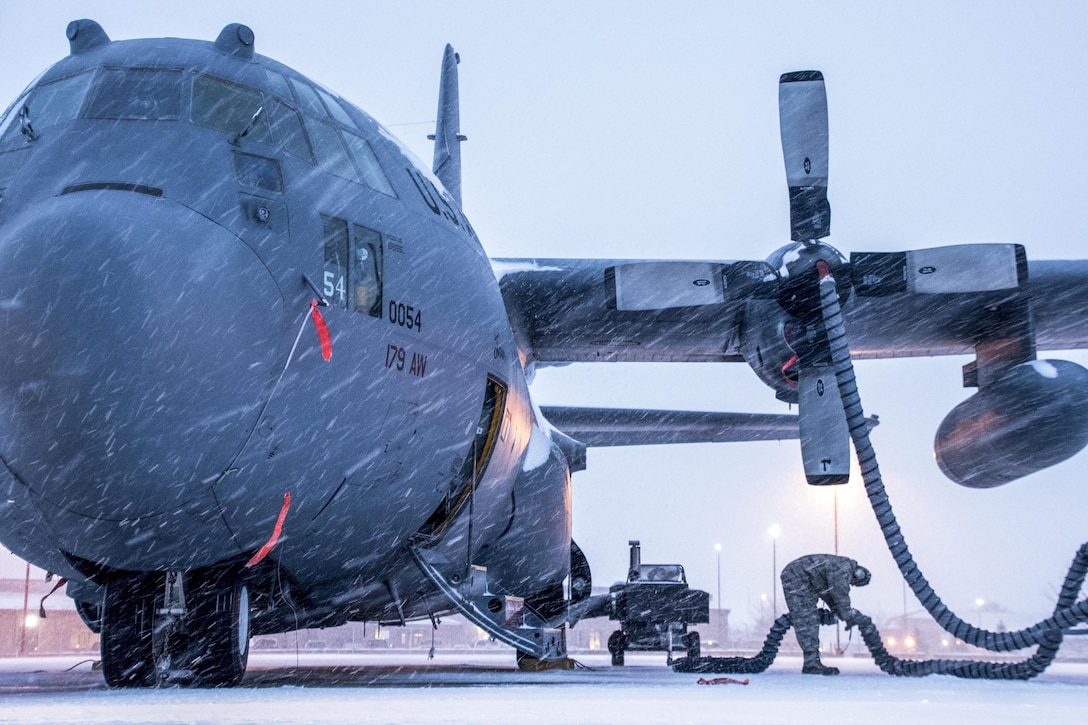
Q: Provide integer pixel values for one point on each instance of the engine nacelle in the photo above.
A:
(1034, 417)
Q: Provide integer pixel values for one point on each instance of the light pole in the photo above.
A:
(26, 609)
(835, 505)
(718, 549)
(774, 531)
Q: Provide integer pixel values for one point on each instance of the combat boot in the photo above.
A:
(813, 666)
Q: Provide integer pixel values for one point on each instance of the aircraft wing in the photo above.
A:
(565, 310)
(598, 427)
(984, 300)
(600, 310)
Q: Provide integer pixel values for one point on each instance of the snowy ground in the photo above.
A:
(466, 688)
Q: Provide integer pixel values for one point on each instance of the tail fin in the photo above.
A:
(447, 137)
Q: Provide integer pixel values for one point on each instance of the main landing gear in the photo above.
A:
(190, 628)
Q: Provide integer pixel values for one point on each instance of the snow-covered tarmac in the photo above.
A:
(471, 688)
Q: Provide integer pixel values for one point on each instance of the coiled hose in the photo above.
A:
(1046, 635)
(888, 663)
(740, 665)
(1067, 613)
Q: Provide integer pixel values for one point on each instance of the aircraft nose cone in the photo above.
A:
(137, 341)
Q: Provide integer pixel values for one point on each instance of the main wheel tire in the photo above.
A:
(581, 578)
(218, 606)
(617, 645)
(691, 642)
(127, 631)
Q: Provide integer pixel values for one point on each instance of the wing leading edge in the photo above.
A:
(600, 310)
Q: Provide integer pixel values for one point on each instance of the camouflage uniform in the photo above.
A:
(807, 580)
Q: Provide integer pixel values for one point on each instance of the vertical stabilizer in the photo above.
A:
(447, 136)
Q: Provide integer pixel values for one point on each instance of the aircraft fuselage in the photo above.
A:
(170, 208)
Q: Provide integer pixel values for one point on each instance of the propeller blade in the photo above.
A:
(802, 111)
(825, 437)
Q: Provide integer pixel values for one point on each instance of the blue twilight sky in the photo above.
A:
(650, 130)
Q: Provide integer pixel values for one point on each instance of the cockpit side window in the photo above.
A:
(347, 156)
(278, 84)
(149, 94)
(331, 155)
(336, 147)
(367, 164)
(352, 275)
(287, 125)
(307, 96)
(366, 270)
(229, 107)
(336, 110)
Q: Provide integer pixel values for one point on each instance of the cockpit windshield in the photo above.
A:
(46, 105)
(146, 94)
(303, 120)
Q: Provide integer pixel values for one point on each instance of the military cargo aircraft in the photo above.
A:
(258, 373)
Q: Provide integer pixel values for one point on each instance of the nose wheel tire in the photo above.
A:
(219, 629)
(128, 619)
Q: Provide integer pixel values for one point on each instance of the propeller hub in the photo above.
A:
(798, 281)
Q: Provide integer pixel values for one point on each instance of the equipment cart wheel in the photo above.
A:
(617, 644)
(691, 642)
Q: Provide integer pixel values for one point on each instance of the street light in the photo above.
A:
(774, 531)
(718, 548)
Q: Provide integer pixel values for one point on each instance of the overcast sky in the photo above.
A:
(650, 130)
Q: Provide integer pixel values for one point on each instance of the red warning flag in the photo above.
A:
(322, 331)
(276, 531)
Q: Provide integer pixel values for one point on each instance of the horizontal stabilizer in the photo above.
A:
(600, 427)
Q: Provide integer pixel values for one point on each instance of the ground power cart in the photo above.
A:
(654, 608)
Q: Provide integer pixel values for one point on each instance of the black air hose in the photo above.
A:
(1040, 633)
(740, 665)
(887, 662)
(1047, 634)
(969, 669)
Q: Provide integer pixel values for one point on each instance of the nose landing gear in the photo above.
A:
(190, 629)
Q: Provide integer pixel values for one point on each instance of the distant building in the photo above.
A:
(62, 631)
(24, 632)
